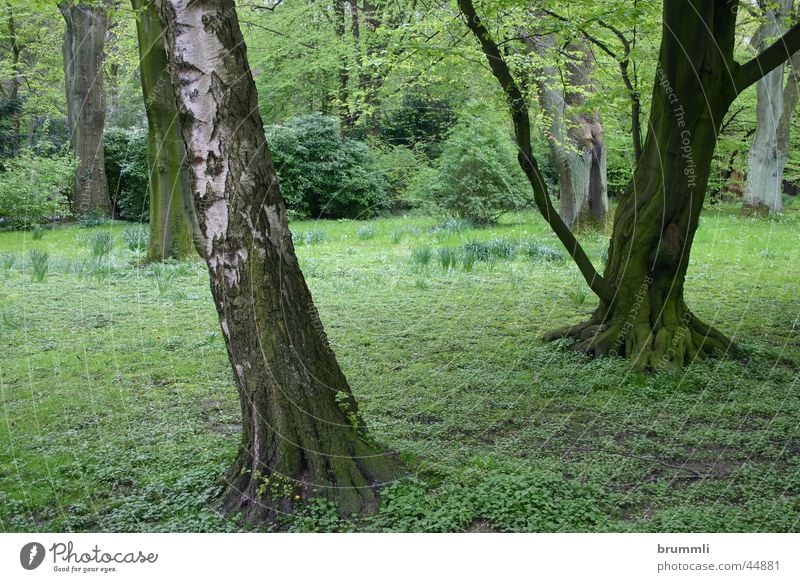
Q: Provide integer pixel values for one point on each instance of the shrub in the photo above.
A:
(323, 174)
(477, 177)
(33, 187)
(421, 120)
(127, 171)
(399, 166)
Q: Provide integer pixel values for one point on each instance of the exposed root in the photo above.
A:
(663, 348)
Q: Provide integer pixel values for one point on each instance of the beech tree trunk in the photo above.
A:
(173, 225)
(576, 140)
(647, 319)
(775, 107)
(84, 45)
(302, 435)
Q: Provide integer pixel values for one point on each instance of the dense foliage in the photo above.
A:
(34, 187)
(323, 174)
(476, 177)
(127, 171)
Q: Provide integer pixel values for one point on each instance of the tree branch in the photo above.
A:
(771, 57)
(522, 129)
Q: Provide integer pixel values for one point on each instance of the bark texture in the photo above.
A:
(775, 107)
(576, 138)
(174, 232)
(84, 46)
(302, 435)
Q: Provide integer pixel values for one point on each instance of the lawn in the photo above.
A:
(119, 411)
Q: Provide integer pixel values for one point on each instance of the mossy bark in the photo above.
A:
(302, 435)
(647, 319)
(174, 232)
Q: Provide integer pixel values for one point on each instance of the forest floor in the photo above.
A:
(119, 411)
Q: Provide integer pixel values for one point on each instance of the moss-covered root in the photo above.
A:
(663, 347)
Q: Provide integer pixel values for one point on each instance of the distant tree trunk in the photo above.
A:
(173, 225)
(775, 107)
(84, 45)
(15, 80)
(302, 435)
(576, 140)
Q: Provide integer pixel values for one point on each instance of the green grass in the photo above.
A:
(119, 411)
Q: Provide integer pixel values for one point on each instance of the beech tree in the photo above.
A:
(576, 138)
(84, 46)
(302, 434)
(775, 105)
(642, 313)
(173, 225)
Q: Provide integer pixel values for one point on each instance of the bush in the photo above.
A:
(127, 171)
(323, 174)
(399, 166)
(477, 177)
(421, 120)
(33, 187)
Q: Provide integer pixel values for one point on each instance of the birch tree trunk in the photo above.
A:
(84, 45)
(775, 107)
(302, 435)
(173, 225)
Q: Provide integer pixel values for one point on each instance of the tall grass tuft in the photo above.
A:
(164, 275)
(310, 237)
(100, 244)
(366, 232)
(421, 256)
(40, 264)
(468, 258)
(38, 232)
(447, 258)
(540, 252)
(137, 238)
(397, 236)
(7, 261)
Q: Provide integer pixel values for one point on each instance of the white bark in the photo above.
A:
(775, 106)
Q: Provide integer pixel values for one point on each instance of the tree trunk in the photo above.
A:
(15, 81)
(647, 320)
(576, 140)
(173, 225)
(302, 435)
(84, 41)
(775, 106)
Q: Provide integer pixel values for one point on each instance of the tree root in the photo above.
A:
(665, 347)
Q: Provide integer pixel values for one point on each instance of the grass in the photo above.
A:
(120, 414)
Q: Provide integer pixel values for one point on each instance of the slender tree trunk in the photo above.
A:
(15, 80)
(576, 140)
(774, 110)
(174, 232)
(84, 45)
(302, 435)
